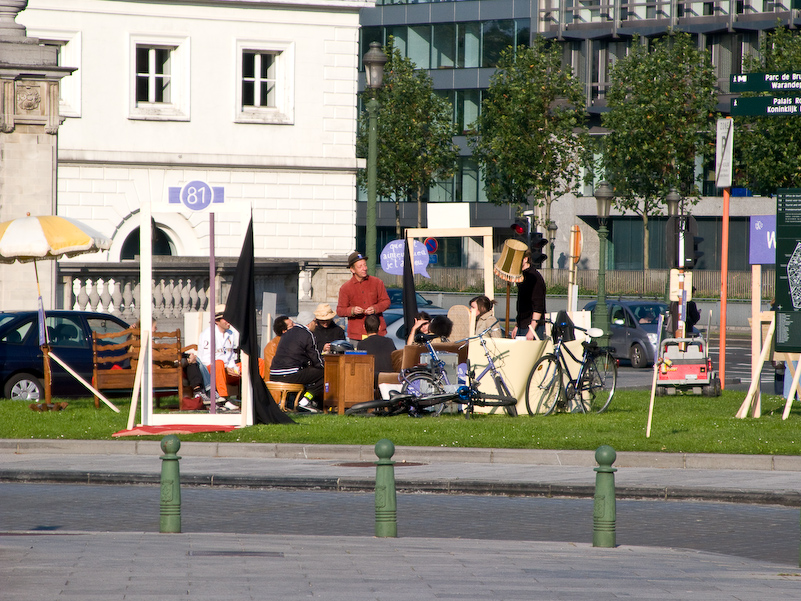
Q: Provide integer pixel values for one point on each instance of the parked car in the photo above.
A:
(70, 336)
(633, 329)
(396, 300)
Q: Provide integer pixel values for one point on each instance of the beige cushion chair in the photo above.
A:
(460, 316)
(280, 391)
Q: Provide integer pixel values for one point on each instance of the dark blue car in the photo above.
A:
(70, 336)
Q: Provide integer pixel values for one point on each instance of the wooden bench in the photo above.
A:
(122, 358)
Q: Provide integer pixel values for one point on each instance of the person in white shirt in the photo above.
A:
(226, 342)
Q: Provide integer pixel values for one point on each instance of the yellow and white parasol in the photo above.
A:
(47, 237)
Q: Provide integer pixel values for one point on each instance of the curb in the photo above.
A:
(438, 486)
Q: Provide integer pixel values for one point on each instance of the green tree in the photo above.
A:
(530, 137)
(415, 135)
(661, 119)
(768, 149)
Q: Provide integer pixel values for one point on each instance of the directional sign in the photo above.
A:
(766, 105)
(765, 82)
(724, 153)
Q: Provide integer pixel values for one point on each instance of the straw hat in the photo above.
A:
(324, 312)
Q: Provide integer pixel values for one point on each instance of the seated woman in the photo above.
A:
(485, 318)
(421, 323)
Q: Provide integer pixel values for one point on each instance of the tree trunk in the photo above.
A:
(419, 207)
(646, 242)
(397, 220)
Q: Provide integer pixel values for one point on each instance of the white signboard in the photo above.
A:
(724, 151)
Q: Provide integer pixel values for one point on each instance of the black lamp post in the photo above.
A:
(552, 227)
(603, 199)
(374, 62)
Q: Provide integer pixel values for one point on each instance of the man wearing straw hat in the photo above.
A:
(530, 302)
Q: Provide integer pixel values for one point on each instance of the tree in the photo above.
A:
(661, 118)
(415, 135)
(768, 149)
(531, 141)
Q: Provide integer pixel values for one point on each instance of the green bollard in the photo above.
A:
(604, 512)
(170, 513)
(386, 504)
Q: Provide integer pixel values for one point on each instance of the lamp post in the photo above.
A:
(552, 227)
(374, 62)
(603, 199)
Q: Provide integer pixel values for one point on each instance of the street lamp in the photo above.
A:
(672, 199)
(374, 62)
(603, 199)
(552, 227)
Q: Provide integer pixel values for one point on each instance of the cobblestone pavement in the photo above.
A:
(766, 533)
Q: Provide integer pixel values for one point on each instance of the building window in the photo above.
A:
(160, 78)
(153, 75)
(68, 47)
(265, 90)
(258, 79)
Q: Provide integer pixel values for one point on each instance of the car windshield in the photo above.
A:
(396, 298)
(647, 312)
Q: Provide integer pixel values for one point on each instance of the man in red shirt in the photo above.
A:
(360, 296)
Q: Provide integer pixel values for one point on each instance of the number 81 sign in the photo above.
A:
(196, 195)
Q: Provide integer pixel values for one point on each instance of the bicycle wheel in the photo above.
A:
(422, 384)
(495, 400)
(544, 386)
(503, 391)
(600, 381)
(382, 407)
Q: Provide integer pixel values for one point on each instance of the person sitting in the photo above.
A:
(298, 361)
(281, 324)
(324, 328)
(380, 347)
(421, 323)
(226, 342)
(485, 318)
(440, 327)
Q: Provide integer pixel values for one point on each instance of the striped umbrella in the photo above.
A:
(47, 237)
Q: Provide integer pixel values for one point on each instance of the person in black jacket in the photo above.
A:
(380, 347)
(530, 301)
(298, 361)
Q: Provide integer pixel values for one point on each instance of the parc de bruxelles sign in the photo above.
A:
(760, 106)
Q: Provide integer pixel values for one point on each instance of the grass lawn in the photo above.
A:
(691, 424)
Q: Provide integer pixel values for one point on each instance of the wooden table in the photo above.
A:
(348, 380)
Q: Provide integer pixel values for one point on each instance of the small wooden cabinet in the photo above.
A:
(348, 380)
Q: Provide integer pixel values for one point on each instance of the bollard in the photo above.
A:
(170, 513)
(386, 505)
(604, 512)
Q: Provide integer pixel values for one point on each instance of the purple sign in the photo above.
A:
(762, 240)
(392, 258)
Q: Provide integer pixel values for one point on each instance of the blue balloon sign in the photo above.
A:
(392, 258)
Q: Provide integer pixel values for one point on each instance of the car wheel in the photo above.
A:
(24, 387)
(637, 356)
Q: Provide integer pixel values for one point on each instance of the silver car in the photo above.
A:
(633, 329)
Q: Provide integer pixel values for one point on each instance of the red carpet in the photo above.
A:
(172, 429)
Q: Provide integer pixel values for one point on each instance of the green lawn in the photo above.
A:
(691, 424)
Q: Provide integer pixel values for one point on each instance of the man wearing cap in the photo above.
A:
(226, 342)
(324, 329)
(360, 296)
(298, 361)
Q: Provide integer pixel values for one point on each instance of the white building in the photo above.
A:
(256, 98)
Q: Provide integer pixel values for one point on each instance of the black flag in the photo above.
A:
(409, 293)
(240, 311)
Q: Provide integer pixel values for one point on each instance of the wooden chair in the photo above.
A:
(281, 390)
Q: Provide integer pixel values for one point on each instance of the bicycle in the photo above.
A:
(426, 389)
(593, 387)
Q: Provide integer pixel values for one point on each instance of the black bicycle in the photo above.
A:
(551, 386)
(427, 389)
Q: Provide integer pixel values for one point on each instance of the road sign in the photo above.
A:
(766, 105)
(765, 82)
(724, 151)
(431, 245)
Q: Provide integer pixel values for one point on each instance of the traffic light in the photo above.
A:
(691, 244)
(520, 227)
(538, 242)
